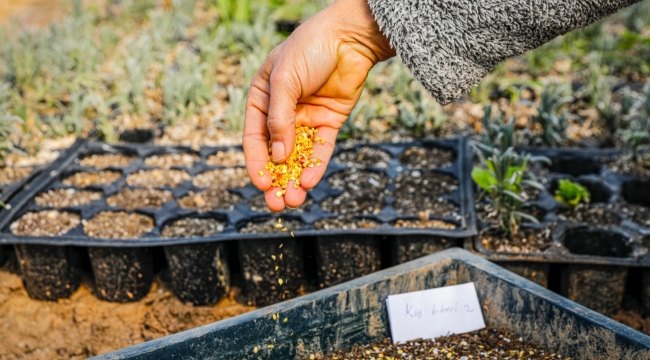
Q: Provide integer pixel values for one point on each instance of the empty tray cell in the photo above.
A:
(591, 215)
(45, 223)
(365, 157)
(10, 175)
(364, 193)
(585, 240)
(61, 198)
(417, 191)
(84, 179)
(104, 161)
(423, 224)
(158, 178)
(228, 158)
(168, 161)
(211, 199)
(132, 199)
(637, 192)
(344, 223)
(431, 158)
(258, 203)
(118, 225)
(273, 225)
(199, 272)
(222, 178)
(527, 240)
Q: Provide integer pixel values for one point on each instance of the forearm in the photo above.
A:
(449, 46)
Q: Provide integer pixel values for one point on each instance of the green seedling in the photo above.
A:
(571, 194)
(236, 108)
(550, 116)
(497, 134)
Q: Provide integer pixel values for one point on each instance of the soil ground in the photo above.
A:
(85, 326)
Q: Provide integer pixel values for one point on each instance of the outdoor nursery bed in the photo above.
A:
(354, 313)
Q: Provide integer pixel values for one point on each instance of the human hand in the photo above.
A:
(315, 77)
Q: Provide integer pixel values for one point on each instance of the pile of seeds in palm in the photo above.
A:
(481, 344)
(300, 158)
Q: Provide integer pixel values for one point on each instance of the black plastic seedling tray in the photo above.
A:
(354, 313)
(388, 174)
(596, 258)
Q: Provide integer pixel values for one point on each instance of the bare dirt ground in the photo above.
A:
(84, 326)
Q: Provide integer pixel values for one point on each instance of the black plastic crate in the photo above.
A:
(354, 313)
(405, 191)
(596, 254)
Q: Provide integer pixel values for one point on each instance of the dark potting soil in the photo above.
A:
(624, 165)
(45, 223)
(104, 161)
(271, 226)
(118, 225)
(193, 227)
(364, 157)
(417, 157)
(423, 224)
(227, 158)
(591, 215)
(418, 191)
(364, 193)
(84, 179)
(258, 203)
(637, 213)
(60, 198)
(222, 178)
(481, 344)
(157, 178)
(345, 224)
(9, 175)
(168, 161)
(211, 199)
(346, 257)
(527, 240)
(132, 199)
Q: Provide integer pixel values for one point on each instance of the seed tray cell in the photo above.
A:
(186, 185)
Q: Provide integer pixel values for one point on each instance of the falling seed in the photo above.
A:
(278, 226)
(280, 246)
(311, 357)
(292, 235)
(271, 346)
(279, 220)
(256, 350)
(280, 282)
(275, 317)
(278, 193)
(280, 256)
(273, 257)
(284, 230)
(291, 334)
(276, 268)
(286, 320)
(261, 173)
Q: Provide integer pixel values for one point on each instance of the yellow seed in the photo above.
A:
(273, 257)
(278, 193)
(368, 352)
(292, 235)
(291, 334)
(276, 268)
(286, 320)
(280, 281)
(280, 246)
(280, 256)
(255, 350)
(279, 220)
(322, 141)
(278, 226)
(311, 357)
(284, 230)
(271, 346)
(261, 173)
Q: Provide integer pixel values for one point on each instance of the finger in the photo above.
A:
(275, 203)
(319, 115)
(294, 197)
(256, 138)
(281, 119)
(312, 175)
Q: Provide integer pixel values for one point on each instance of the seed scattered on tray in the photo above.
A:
(60, 198)
(227, 158)
(211, 199)
(222, 178)
(84, 179)
(118, 225)
(364, 157)
(424, 224)
(158, 178)
(9, 175)
(193, 227)
(103, 161)
(417, 157)
(300, 158)
(481, 344)
(345, 224)
(269, 226)
(45, 223)
(132, 199)
(168, 161)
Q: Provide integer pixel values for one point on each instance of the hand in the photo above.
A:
(315, 77)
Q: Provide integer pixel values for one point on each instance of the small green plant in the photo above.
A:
(497, 134)
(636, 134)
(502, 178)
(422, 115)
(74, 116)
(571, 194)
(8, 124)
(184, 87)
(236, 108)
(551, 117)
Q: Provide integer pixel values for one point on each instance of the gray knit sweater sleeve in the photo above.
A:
(450, 45)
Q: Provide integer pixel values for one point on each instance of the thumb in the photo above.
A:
(281, 119)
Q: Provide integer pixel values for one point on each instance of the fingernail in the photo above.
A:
(277, 149)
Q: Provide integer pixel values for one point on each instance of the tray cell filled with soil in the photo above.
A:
(199, 272)
(62, 198)
(105, 161)
(526, 240)
(227, 158)
(345, 223)
(423, 224)
(131, 199)
(45, 223)
(271, 225)
(344, 257)
(118, 225)
(211, 199)
(10, 175)
(86, 179)
(417, 191)
(427, 158)
(222, 178)
(591, 215)
(364, 193)
(364, 157)
(175, 160)
(157, 178)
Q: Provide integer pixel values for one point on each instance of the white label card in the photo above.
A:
(433, 313)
